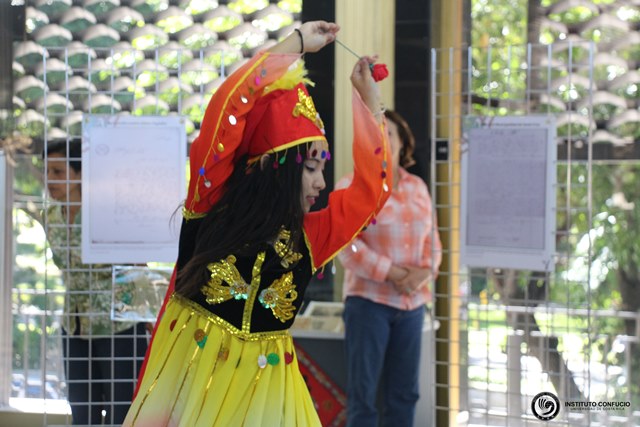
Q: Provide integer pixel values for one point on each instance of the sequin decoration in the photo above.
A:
(384, 164)
(172, 324)
(299, 158)
(354, 248)
(262, 361)
(207, 183)
(223, 354)
(263, 72)
(279, 297)
(220, 147)
(257, 81)
(232, 119)
(200, 337)
(202, 342)
(385, 187)
(378, 150)
(383, 174)
(374, 221)
(288, 357)
(273, 359)
(216, 157)
(282, 160)
(201, 171)
(306, 108)
(244, 99)
(281, 246)
(321, 275)
(225, 283)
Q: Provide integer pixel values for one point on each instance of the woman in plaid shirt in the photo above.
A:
(389, 268)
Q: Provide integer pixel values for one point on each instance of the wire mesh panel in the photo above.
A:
(509, 335)
(142, 58)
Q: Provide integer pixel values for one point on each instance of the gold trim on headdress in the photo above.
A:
(306, 107)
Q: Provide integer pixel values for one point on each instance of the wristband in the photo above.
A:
(297, 30)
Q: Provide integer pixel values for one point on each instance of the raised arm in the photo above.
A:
(366, 87)
(214, 152)
(310, 37)
(353, 208)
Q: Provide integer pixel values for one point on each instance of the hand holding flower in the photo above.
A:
(379, 71)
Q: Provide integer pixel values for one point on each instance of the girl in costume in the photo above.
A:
(222, 354)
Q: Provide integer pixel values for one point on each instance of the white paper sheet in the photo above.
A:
(133, 181)
(508, 183)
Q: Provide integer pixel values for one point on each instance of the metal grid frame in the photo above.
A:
(537, 336)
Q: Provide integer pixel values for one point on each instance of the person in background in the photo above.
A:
(388, 271)
(101, 358)
(222, 354)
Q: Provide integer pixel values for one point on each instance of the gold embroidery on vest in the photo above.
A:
(287, 256)
(279, 297)
(225, 283)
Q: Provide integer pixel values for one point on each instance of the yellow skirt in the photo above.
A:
(201, 372)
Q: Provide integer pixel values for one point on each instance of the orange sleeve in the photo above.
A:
(349, 210)
(214, 151)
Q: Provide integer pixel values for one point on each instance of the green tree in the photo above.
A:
(599, 204)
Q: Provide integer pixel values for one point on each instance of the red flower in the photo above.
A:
(379, 71)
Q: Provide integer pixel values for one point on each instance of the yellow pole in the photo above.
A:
(447, 33)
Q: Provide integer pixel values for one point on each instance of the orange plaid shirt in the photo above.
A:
(405, 233)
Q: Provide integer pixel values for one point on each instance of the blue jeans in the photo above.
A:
(382, 343)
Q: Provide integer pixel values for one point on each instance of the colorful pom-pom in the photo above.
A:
(273, 359)
(262, 361)
(288, 357)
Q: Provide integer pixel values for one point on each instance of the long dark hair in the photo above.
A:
(257, 202)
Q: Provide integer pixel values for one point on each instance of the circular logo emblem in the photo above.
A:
(545, 406)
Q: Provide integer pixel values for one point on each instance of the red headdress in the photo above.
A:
(262, 108)
(280, 120)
